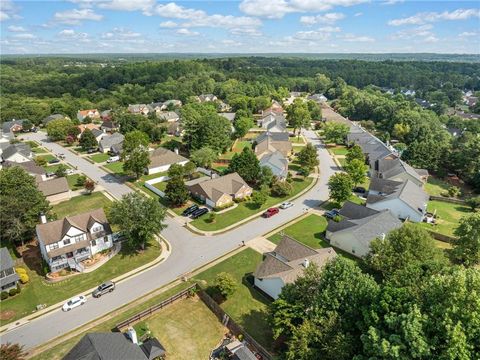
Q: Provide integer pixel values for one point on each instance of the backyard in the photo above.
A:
(246, 209)
(81, 203)
(448, 216)
(187, 329)
(238, 146)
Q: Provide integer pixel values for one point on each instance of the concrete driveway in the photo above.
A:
(189, 251)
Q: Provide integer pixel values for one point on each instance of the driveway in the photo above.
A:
(189, 251)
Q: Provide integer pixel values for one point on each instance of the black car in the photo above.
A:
(332, 213)
(106, 287)
(360, 190)
(91, 151)
(190, 210)
(54, 161)
(199, 212)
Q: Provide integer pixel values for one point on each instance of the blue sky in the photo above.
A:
(247, 26)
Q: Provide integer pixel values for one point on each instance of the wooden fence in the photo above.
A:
(447, 199)
(151, 310)
(229, 323)
(442, 237)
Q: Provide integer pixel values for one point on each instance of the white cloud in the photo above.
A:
(76, 16)
(8, 10)
(4, 16)
(129, 5)
(168, 24)
(245, 31)
(418, 33)
(67, 32)
(468, 34)
(172, 10)
(329, 29)
(276, 9)
(25, 36)
(14, 28)
(392, 2)
(312, 35)
(229, 42)
(429, 17)
(70, 34)
(328, 18)
(356, 38)
(187, 32)
(358, 14)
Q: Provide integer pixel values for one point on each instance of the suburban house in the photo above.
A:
(68, 241)
(90, 126)
(99, 134)
(12, 126)
(236, 350)
(91, 113)
(230, 116)
(276, 107)
(115, 346)
(108, 126)
(172, 102)
(55, 190)
(276, 162)
(318, 98)
(169, 116)
(108, 142)
(273, 122)
(52, 117)
(29, 166)
(269, 142)
(161, 159)
(221, 190)
(140, 109)
(206, 98)
(17, 153)
(106, 115)
(8, 276)
(406, 200)
(424, 103)
(286, 263)
(358, 227)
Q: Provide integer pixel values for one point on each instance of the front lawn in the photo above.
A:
(99, 158)
(53, 168)
(115, 167)
(309, 231)
(185, 337)
(38, 291)
(297, 140)
(82, 203)
(246, 209)
(448, 216)
(47, 157)
(246, 306)
(329, 205)
(338, 150)
(39, 150)
(72, 182)
(161, 185)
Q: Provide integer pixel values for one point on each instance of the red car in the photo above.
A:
(270, 212)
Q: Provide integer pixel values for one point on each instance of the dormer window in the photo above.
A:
(97, 229)
(66, 241)
(53, 246)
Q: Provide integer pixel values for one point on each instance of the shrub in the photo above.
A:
(19, 289)
(212, 217)
(4, 295)
(12, 292)
(40, 160)
(453, 191)
(474, 203)
(24, 278)
(281, 188)
(81, 180)
(223, 207)
(20, 270)
(226, 284)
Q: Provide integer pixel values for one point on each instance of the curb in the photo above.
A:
(161, 258)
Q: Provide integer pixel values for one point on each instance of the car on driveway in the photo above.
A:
(270, 212)
(286, 205)
(332, 213)
(54, 161)
(113, 159)
(190, 210)
(69, 171)
(91, 151)
(199, 212)
(106, 287)
(74, 302)
(359, 190)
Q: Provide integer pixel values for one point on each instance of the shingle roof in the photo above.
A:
(276, 162)
(153, 349)
(6, 261)
(351, 210)
(230, 116)
(29, 166)
(105, 346)
(109, 140)
(49, 118)
(21, 148)
(97, 132)
(161, 156)
(216, 188)
(169, 115)
(7, 125)
(271, 142)
(384, 186)
(54, 186)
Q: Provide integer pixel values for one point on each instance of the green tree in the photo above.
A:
(204, 157)
(176, 171)
(473, 202)
(355, 153)
(335, 132)
(357, 169)
(340, 186)
(266, 176)
(59, 129)
(467, 246)
(189, 168)
(27, 125)
(20, 205)
(281, 188)
(242, 126)
(135, 153)
(89, 185)
(176, 192)
(307, 158)
(298, 115)
(87, 140)
(61, 170)
(246, 165)
(226, 284)
(259, 197)
(315, 110)
(138, 217)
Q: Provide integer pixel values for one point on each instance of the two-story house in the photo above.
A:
(8, 277)
(68, 241)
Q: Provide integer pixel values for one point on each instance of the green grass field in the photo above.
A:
(39, 151)
(308, 231)
(339, 150)
(53, 168)
(116, 167)
(47, 157)
(72, 182)
(99, 158)
(448, 216)
(238, 148)
(81, 203)
(329, 205)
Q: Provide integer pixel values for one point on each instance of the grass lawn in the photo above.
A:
(297, 140)
(53, 168)
(38, 291)
(308, 231)
(59, 351)
(152, 176)
(32, 144)
(219, 167)
(246, 306)
(99, 158)
(448, 216)
(245, 209)
(80, 150)
(80, 204)
(39, 150)
(116, 167)
(185, 337)
(329, 205)
(435, 186)
(47, 157)
(339, 150)
(238, 148)
(161, 186)
(72, 182)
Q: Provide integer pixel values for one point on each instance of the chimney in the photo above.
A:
(43, 218)
(132, 334)
(306, 263)
(176, 151)
(382, 236)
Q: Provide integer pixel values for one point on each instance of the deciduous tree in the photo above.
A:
(335, 132)
(467, 246)
(242, 125)
(135, 153)
(246, 165)
(307, 157)
(204, 157)
(298, 115)
(88, 140)
(225, 284)
(357, 169)
(340, 186)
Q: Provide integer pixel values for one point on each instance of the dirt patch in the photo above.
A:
(31, 257)
(6, 314)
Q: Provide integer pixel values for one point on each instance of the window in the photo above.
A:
(94, 242)
(78, 238)
(97, 229)
(66, 241)
(53, 246)
(105, 239)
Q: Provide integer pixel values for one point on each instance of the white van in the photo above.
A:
(113, 159)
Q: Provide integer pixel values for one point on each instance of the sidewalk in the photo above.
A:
(165, 253)
(261, 245)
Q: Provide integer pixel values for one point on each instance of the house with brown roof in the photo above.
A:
(91, 113)
(65, 243)
(221, 190)
(55, 190)
(270, 142)
(286, 263)
(161, 159)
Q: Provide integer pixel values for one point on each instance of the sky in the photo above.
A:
(247, 26)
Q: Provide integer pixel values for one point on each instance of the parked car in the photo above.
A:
(332, 213)
(286, 205)
(54, 161)
(270, 212)
(199, 212)
(190, 210)
(61, 156)
(106, 287)
(112, 159)
(91, 151)
(360, 190)
(34, 129)
(74, 302)
(69, 171)
(50, 174)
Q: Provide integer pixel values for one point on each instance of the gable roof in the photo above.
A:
(287, 260)
(153, 348)
(105, 346)
(97, 132)
(54, 231)
(49, 118)
(276, 162)
(29, 166)
(54, 186)
(6, 261)
(230, 116)
(214, 189)
(273, 141)
(169, 115)
(351, 210)
(402, 167)
(110, 140)
(8, 125)
(161, 156)
(20, 148)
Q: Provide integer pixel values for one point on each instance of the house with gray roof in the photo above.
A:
(230, 116)
(406, 200)
(273, 122)
(169, 116)
(276, 162)
(29, 166)
(111, 141)
(358, 227)
(52, 117)
(269, 142)
(286, 263)
(8, 276)
(206, 98)
(161, 159)
(319, 98)
(17, 153)
(139, 109)
(12, 126)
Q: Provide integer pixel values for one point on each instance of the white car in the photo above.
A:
(69, 171)
(113, 159)
(286, 205)
(74, 302)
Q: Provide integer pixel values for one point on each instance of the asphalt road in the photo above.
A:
(189, 251)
